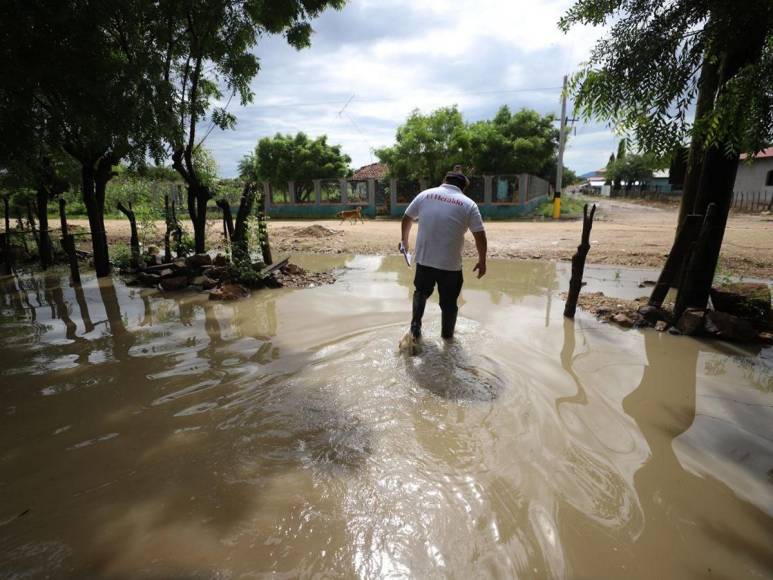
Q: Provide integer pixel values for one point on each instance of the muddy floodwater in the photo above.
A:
(149, 435)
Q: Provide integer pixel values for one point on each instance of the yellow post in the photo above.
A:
(557, 205)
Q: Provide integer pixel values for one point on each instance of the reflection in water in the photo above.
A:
(284, 435)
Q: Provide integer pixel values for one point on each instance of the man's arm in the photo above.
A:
(405, 227)
(481, 244)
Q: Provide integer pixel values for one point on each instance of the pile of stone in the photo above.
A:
(200, 271)
(741, 312)
(292, 276)
(221, 279)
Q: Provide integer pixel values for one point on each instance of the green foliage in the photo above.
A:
(283, 158)
(632, 168)
(121, 256)
(570, 177)
(206, 166)
(643, 75)
(521, 142)
(569, 207)
(427, 146)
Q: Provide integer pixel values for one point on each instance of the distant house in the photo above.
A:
(659, 181)
(373, 171)
(595, 180)
(756, 174)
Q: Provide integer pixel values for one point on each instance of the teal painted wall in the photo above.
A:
(313, 211)
(492, 211)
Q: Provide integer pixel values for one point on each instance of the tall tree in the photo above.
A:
(284, 158)
(520, 142)
(427, 146)
(82, 72)
(659, 60)
(209, 53)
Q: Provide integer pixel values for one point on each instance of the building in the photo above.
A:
(593, 182)
(376, 171)
(755, 174)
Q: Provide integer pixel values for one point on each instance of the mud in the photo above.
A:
(624, 234)
(160, 436)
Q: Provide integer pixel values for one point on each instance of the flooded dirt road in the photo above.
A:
(165, 436)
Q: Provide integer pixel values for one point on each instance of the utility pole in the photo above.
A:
(561, 144)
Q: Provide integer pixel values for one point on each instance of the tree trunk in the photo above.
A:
(134, 242)
(578, 262)
(31, 211)
(6, 240)
(44, 240)
(240, 237)
(168, 232)
(94, 199)
(265, 247)
(68, 244)
(228, 222)
(707, 90)
(711, 179)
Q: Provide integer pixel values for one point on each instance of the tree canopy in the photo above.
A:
(631, 168)
(428, 145)
(284, 158)
(644, 75)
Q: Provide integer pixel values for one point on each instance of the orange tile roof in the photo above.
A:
(761, 155)
(372, 171)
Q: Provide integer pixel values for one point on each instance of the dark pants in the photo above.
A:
(449, 286)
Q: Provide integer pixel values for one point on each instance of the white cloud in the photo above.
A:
(397, 55)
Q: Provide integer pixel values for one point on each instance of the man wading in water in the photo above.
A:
(444, 214)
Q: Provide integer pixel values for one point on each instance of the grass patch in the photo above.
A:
(570, 206)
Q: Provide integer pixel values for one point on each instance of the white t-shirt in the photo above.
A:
(444, 214)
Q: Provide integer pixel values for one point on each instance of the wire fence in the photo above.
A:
(752, 201)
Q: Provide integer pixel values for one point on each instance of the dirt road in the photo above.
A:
(624, 233)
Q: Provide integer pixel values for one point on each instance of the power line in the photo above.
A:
(395, 99)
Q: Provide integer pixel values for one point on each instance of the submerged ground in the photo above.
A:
(167, 436)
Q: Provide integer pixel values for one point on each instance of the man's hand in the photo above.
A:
(481, 244)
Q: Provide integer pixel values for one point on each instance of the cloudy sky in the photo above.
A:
(386, 57)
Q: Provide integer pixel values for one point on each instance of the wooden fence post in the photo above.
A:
(135, 239)
(578, 262)
(68, 245)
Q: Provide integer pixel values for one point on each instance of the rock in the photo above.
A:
(645, 283)
(691, 322)
(166, 273)
(765, 338)
(293, 270)
(229, 292)
(208, 283)
(729, 327)
(652, 314)
(198, 260)
(743, 299)
(642, 323)
(218, 272)
(674, 331)
(204, 282)
(148, 279)
(661, 326)
(174, 283)
(602, 310)
(220, 260)
(623, 320)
